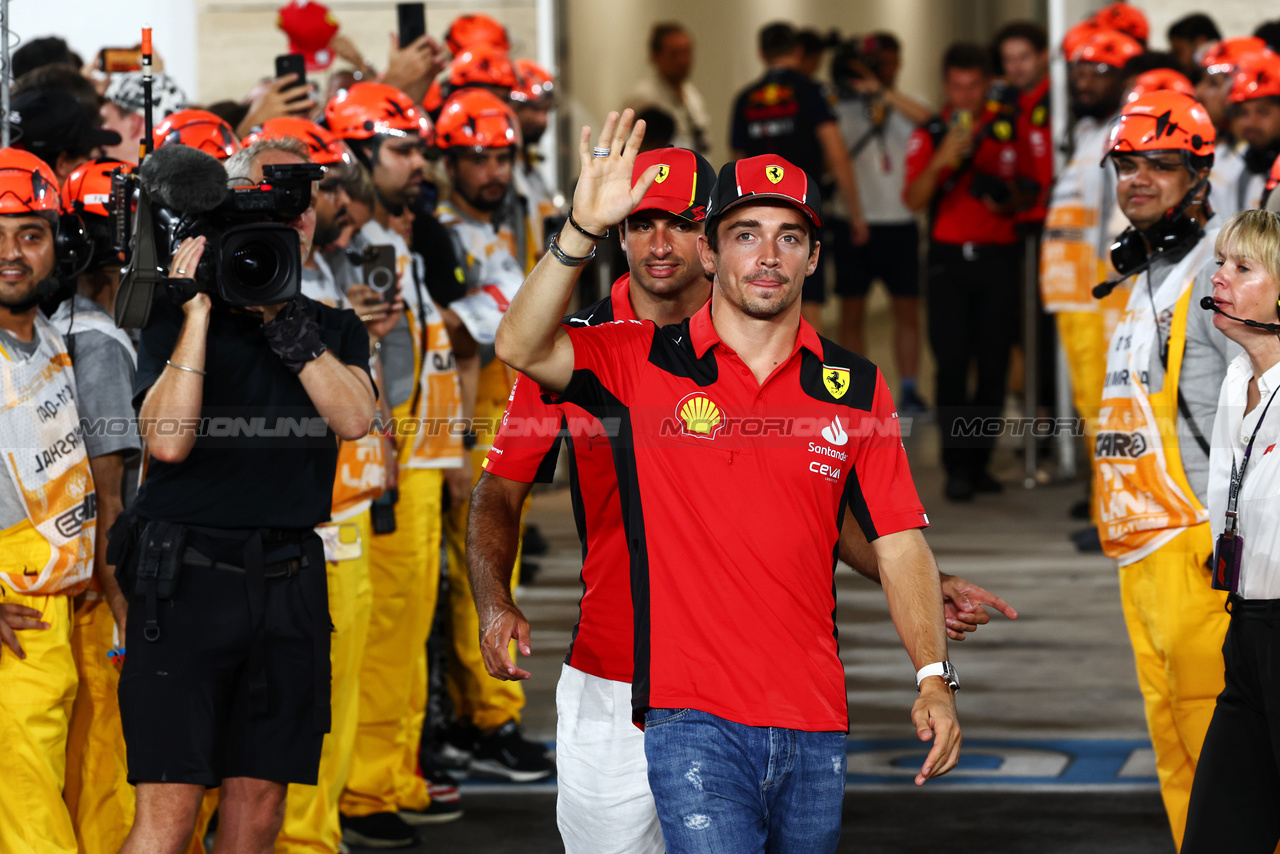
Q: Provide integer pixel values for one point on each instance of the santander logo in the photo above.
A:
(834, 432)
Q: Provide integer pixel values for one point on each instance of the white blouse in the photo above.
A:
(1259, 501)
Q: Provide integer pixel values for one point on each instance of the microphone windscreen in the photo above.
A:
(183, 179)
(1207, 303)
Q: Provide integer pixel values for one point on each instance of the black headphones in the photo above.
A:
(72, 246)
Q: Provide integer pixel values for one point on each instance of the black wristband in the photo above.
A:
(573, 222)
(294, 336)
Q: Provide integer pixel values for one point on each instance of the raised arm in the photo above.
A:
(529, 337)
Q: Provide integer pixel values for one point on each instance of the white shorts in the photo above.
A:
(604, 805)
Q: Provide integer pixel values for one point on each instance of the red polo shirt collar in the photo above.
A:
(620, 296)
(703, 335)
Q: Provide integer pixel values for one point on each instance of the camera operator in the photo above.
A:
(228, 683)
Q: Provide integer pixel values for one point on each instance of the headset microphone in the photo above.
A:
(1209, 305)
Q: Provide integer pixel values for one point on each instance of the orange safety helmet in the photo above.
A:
(468, 31)
(434, 99)
(1078, 35)
(198, 129)
(326, 149)
(88, 189)
(1257, 76)
(536, 85)
(1159, 80)
(1126, 19)
(482, 65)
(27, 185)
(1224, 56)
(367, 110)
(1107, 47)
(87, 232)
(476, 119)
(1164, 121)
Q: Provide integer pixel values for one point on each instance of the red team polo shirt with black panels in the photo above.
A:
(526, 450)
(732, 494)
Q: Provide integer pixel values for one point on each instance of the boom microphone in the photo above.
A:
(1209, 305)
(183, 179)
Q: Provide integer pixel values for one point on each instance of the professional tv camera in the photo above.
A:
(251, 256)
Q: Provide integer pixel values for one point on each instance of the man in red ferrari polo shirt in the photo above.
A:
(795, 434)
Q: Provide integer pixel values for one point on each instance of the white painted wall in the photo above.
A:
(88, 25)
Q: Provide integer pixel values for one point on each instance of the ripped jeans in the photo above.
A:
(727, 788)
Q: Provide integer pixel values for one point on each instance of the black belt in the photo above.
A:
(1257, 608)
(276, 569)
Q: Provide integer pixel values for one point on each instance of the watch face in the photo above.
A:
(949, 676)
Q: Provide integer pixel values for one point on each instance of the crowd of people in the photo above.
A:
(179, 462)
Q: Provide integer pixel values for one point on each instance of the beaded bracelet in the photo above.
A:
(565, 258)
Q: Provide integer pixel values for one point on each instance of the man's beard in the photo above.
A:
(1096, 110)
(481, 202)
(327, 232)
(1259, 160)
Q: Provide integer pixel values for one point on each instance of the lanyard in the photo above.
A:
(1237, 478)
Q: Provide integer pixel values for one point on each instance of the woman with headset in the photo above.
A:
(1237, 782)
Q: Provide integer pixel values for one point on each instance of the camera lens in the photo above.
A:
(259, 263)
(255, 264)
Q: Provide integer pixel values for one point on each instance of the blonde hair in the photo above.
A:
(1254, 235)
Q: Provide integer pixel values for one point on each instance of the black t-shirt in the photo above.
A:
(264, 458)
(444, 281)
(778, 114)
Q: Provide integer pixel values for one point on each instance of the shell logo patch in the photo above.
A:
(1039, 115)
(836, 380)
(774, 173)
(663, 171)
(699, 416)
(1003, 130)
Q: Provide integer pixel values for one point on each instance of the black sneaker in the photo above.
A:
(508, 755)
(456, 748)
(437, 812)
(379, 830)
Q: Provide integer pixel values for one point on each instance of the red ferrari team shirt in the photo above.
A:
(1035, 148)
(732, 496)
(526, 449)
(959, 217)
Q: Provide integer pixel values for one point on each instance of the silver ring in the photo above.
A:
(181, 272)
(600, 152)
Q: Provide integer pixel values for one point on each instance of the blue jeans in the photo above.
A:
(728, 788)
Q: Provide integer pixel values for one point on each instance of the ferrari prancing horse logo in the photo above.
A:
(663, 171)
(773, 173)
(836, 380)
